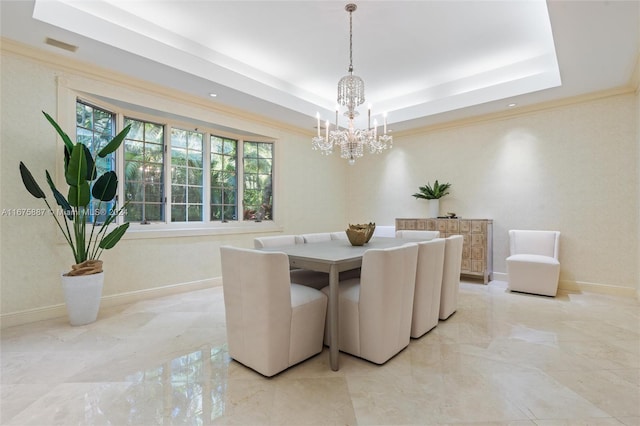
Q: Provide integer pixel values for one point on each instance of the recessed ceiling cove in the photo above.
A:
(417, 58)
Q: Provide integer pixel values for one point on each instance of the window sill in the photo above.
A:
(174, 230)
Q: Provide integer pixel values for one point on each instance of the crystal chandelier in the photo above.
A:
(351, 95)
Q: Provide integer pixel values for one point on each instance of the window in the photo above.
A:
(186, 175)
(224, 182)
(172, 172)
(258, 190)
(95, 128)
(143, 170)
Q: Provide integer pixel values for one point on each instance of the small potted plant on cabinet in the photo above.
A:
(76, 218)
(433, 195)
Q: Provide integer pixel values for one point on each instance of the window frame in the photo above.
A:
(94, 204)
(67, 106)
(239, 174)
(259, 214)
(170, 183)
(121, 188)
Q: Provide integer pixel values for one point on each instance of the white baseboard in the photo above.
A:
(499, 276)
(580, 286)
(59, 310)
(612, 290)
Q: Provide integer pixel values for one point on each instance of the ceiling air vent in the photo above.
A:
(61, 44)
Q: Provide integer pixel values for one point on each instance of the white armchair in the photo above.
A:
(426, 300)
(418, 235)
(375, 309)
(272, 323)
(451, 276)
(533, 265)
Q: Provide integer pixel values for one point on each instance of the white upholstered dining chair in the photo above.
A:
(426, 299)
(306, 277)
(319, 279)
(272, 323)
(386, 231)
(316, 237)
(418, 235)
(533, 265)
(451, 276)
(341, 235)
(375, 309)
(277, 240)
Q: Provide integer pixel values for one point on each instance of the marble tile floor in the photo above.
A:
(503, 359)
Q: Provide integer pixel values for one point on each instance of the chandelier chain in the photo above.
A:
(350, 38)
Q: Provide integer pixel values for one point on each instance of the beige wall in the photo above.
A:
(33, 253)
(571, 168)
(636, 82)
(638, 173)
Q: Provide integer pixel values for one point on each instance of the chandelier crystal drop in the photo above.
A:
(351, 140)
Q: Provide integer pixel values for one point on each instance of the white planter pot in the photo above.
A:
(433, 207)
(82, 295)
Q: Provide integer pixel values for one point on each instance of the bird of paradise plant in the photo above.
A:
(87, 238)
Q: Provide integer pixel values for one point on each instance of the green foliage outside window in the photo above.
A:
(186, 176)
(144, 171)
(224, 182)
(144, 154)
(258, 185)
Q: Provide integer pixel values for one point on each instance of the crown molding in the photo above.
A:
(525, 110)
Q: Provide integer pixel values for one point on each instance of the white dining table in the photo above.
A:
(334, 257)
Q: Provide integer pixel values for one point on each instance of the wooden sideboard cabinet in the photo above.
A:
(477, 249)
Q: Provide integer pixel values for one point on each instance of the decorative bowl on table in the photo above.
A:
(360, 234)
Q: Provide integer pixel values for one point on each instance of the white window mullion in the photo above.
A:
(240, 180)
(167, 173)
(120, 169)
(206, 178)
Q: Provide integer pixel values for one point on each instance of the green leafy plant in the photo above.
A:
(428, 192)
(86, 242)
